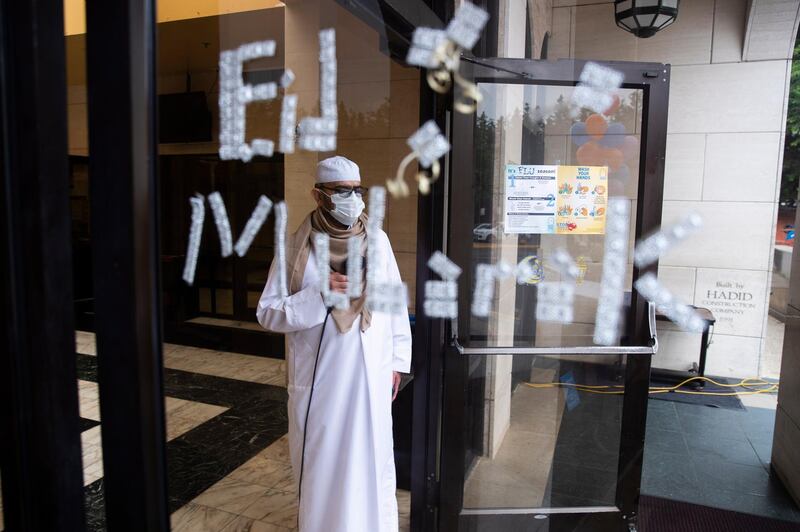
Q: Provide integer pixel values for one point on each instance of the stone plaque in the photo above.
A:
(736, 297)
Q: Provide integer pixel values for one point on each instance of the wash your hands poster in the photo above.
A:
(550, 199)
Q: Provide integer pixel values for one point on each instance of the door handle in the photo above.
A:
(652, 349)
(651, 321)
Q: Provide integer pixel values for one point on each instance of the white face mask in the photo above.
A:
(346, 207)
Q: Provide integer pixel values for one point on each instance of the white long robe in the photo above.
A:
(349, 476)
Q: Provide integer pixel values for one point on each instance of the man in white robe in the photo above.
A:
(348, 476)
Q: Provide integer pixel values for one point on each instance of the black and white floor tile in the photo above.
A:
(227, 450)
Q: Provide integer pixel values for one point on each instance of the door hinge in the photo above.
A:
(432, 490)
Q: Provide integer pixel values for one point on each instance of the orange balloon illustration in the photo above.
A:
(596, 126)
(614, 107)
(589, 154)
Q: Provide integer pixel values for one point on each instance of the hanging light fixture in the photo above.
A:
(644, 18)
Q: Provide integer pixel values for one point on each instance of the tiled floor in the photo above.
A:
(248, 368)
(556, 452)
(227, 449)
(257, 496)
(513, 477)
(561, 447)
(710, 456)
(228, 453)
(715, 457)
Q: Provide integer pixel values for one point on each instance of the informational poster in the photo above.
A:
(530, 199)
(549, 199)
(582, 199)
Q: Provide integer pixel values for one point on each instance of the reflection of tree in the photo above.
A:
(356, 120)
(628, 110)
(533, 121)
(484, 139)
(562, 112)
(532, 135)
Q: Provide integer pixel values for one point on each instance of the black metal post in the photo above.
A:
(654, 80)
(122, 171)
(40, 447)
(428, 345)
(429, 334)
(454, 366)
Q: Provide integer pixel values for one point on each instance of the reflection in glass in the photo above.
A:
(225, 377)
(536, 445)
(534, 439)
(536, 125)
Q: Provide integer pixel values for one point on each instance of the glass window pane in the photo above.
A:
(211, 326)
(663, 19)
(537, 444)
(533, 126)
(646, 20)
(622, 6)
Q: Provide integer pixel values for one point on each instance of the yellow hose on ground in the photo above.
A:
(614, 389)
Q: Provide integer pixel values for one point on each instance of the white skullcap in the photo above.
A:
(337, 168)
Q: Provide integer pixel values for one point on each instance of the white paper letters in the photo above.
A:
(234, 95)
(195, 234)
(608, 320)
(441, 297)
(319, 133)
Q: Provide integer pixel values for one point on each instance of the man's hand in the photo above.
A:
(395, 383)
(338, 282)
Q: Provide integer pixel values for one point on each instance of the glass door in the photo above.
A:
(544, 392)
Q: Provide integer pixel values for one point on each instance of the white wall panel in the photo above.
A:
(730, 18)
(679, 280)
(733, 356)
(742, 166)
(683, 175)
(560, 44)
(687, 41)
(771, 29)
(735, 235)
(727, 98)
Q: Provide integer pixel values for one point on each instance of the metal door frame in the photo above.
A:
(40, 446)
(41, 457)
(121, 89)
(653, 80)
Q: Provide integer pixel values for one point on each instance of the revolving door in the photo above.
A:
(543, 418)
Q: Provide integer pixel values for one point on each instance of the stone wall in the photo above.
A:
(728, 93)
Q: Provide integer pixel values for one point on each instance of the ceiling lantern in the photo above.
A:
(644, 18)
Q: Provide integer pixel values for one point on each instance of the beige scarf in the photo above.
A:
(299, 245)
